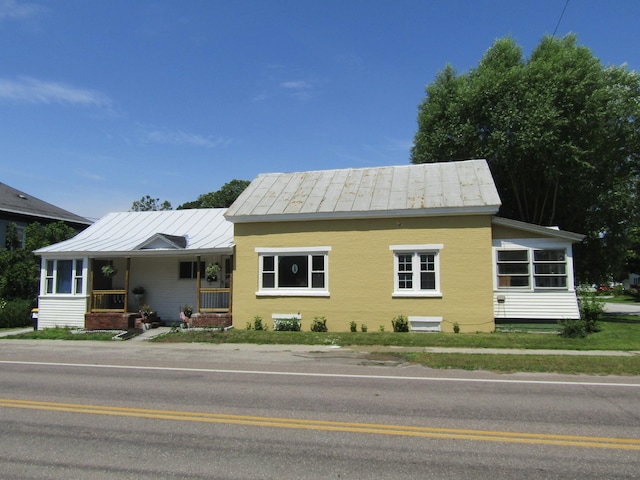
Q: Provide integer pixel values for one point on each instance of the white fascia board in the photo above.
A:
(427, 212)
(532, 228)
(292, 249)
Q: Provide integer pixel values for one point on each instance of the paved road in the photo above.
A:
(125, 410)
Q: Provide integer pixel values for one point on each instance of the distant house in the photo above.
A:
(366, 245)
(165, 252)
(23, 209)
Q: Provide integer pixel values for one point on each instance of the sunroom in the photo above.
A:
(126, 262)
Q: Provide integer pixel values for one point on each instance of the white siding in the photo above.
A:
(536, 305)
(165, 292)
(61, 311)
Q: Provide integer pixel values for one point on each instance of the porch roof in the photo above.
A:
(172, 232)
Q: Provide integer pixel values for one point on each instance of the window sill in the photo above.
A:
(414, 294)
(292, 293)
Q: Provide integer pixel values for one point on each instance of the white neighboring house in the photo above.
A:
(632, 282)
(165, 252)
(533, 271)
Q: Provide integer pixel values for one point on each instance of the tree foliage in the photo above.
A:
(560, 134)
(19, 267)
(222, 198)
(147, 204)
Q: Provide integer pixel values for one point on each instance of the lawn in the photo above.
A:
(618, 333)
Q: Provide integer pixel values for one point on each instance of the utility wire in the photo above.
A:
(560, 19)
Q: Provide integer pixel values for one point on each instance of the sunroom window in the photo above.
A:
(293, 271)
(531, 268)
(549, 269)
(64, 276)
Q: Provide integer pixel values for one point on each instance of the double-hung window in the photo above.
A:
(529, 268)
(293, 271)
(64, 277)
(416, 270)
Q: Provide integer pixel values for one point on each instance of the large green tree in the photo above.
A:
(561, 136)
(222, 198)
(19, 267)
(147, 204)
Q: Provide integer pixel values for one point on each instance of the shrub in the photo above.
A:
(618, 290)
(573, 328)
(456, 328)
(363, 327)
(353, 326)
(257, 323)
(591, 312)
(286, 324)
(319, 324)
(15, 313)
(400, 324)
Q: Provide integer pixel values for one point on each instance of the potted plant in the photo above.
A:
(185, 315)
(211, 272)
(108, 270)
(138, 294)
(146, 313)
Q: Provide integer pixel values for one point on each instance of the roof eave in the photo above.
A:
(426, 212)
(136, 253)
(539, 229)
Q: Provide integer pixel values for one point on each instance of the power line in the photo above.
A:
(560, 19)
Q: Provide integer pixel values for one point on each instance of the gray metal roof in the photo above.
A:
(172, 232)
(426, 189)
(15, 202)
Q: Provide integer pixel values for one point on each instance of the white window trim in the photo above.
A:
(416, 249)
(532, 245)
(75, 274)
(289, 291)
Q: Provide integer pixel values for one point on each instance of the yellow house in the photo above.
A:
(367, 245)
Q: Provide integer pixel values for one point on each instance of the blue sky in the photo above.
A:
(105, 101)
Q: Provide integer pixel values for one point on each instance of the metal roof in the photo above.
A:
(172, 232)
(427, 189)
(16, 202)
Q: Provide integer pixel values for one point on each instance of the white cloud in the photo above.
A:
(296, 85)
(31, 90)
(14, 10)
(183, 138)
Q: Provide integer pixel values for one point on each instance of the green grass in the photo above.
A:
(618, 333)
(59, 334)
(567, 364)
(623, 299)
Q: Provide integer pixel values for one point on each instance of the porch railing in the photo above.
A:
(109, 301)
(216, 300)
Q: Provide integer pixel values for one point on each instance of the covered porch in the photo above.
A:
(166, 290)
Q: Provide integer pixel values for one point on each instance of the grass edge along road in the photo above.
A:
(619, 333)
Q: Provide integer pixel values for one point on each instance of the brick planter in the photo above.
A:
(110, 321)
(210, 320)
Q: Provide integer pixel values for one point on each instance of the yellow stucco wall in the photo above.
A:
(361, 278)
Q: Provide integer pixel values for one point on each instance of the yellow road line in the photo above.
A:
(351, 427)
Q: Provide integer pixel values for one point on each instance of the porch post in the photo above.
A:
(198, 284)
(126, 285)
(93, 266)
